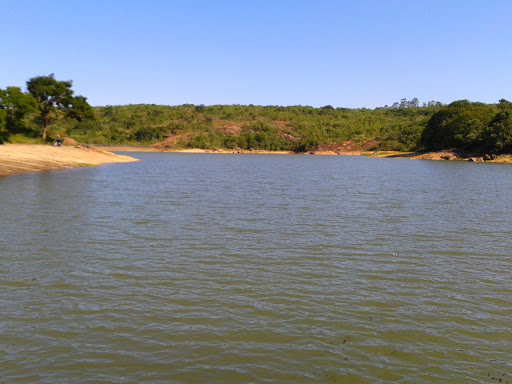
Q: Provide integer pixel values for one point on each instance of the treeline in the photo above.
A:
(49, 108)
(295, 128)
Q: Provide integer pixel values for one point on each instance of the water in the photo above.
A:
(252, 268)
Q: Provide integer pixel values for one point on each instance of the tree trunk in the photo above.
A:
(46, 123)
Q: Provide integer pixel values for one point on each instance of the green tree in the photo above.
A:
(79, 109)
(308, 141)
(3, 130)
(460, 125)
(55, 97)
(499, 133)
(15, 105)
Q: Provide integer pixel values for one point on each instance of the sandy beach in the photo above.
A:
(23, 158)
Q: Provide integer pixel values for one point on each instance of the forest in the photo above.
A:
(49, 108)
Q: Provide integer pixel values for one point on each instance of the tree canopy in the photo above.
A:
(14, 106)
(470, 127)
(54, 99)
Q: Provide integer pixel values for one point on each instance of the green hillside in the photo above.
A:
(50, 108)
(296, 128)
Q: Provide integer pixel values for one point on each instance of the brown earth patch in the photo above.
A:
(280, 124)
(170, 142)
(369, 144)
(229, 128)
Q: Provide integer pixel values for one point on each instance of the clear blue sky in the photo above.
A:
(263, 52)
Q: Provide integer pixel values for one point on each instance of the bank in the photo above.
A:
(23, 158)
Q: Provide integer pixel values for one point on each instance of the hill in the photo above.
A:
(295, 128)
(468, 128)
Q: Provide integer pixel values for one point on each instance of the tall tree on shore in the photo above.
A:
(55, 97)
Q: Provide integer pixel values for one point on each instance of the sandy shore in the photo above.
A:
(441, 155)
(128, 148)
(22, 158)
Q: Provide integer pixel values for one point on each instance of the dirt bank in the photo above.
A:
(22, 158)
(441, 155)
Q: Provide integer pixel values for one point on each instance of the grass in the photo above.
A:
(21, 139)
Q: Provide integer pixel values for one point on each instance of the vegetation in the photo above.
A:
(296, 128)
(55, 100)
(471, 127)
(49, 108)
(14, 107)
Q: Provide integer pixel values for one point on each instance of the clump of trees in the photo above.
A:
(46, 101)
(14, 107)
(470, 127)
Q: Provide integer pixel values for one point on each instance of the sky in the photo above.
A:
(350, 54)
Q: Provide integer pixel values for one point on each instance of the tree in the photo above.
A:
(14, 106)
(505, 105)
(461, 125)
(499, 133)
(3, 131)
(414, 103)
(79, 109)
(55, 97)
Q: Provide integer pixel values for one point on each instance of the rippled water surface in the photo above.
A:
(190, 268)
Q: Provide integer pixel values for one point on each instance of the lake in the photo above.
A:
(190, 268)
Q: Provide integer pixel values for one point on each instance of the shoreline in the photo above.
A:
(435, 156)
(25, 158)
